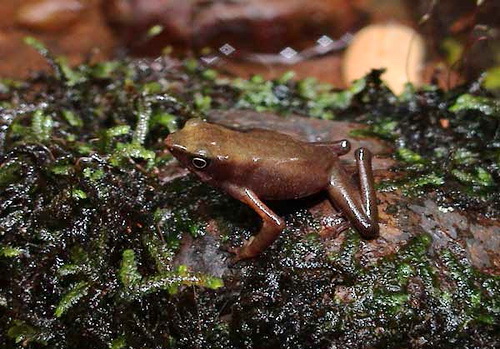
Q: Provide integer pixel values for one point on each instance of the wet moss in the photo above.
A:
(449, 138)
(399, 302)
(89, 232)
(444, 140)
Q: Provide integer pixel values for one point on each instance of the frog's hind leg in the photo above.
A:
(367, 186)
(272, 224)
(340, 148)
(360, 209)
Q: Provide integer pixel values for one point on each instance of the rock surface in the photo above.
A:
(49, 15)
(106, 242)
(401, 218)
(249, 26)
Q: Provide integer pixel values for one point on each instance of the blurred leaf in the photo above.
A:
(485, 105)
(453, 50)
(155, 30)
(118, 343)
(492, 79)
(202, 103)
(72, 119)
(10, 252)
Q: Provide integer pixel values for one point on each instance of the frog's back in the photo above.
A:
(277, 166)
(274, 145)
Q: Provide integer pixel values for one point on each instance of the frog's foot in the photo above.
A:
(236, 251)
(360, 208)
(240, 253)
(334, 227)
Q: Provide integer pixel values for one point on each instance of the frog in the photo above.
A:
(256, 166)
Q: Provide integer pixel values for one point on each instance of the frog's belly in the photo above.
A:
(287, 181)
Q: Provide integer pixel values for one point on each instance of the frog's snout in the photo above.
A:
(169, 143)
(172, 144)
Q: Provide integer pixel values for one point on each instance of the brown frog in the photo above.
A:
(258, 165)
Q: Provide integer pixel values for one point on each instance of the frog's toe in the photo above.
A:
(233, 250)
(237, 255)
(243, 252)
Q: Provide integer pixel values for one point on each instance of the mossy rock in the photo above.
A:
(105, 242)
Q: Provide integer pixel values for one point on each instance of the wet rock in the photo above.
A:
(115, 272)
(49, 15)
(271, 26)
(86, 34)
(480, 238)
(248, 26)
(135, 18)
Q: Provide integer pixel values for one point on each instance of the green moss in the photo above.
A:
(10, 252)
(144, 112)
(409, 156)
(125, 152)
(74, 294)
(384, 129)
(90, 233)
(481, 177)
(129, 275)
(41, 125)
(78, 194)
(24, 334)
(257, 94)
(9, 172)
(117, 131)
(93, 175)
(136, 286)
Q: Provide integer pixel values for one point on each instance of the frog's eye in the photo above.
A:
(199, 162)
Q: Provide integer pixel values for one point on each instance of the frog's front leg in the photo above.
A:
(360, 209)
(272, 225)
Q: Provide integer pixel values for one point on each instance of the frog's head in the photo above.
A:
(197, 146)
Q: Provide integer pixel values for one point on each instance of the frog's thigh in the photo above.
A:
(272, 225)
